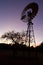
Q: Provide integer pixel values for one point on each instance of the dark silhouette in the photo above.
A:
(28, 13)
(18, 52)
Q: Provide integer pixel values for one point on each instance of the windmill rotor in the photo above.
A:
(31, 10)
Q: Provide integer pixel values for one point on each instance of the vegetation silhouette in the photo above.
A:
(20, 53)
(12, 35)
(21, 46)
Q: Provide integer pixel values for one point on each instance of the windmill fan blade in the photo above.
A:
(23, 17)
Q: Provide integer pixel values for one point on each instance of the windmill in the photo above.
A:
(27, 15)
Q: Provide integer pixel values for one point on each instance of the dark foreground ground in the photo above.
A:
(20, 62)
(20, 55)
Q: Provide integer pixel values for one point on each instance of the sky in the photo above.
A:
(10, 17)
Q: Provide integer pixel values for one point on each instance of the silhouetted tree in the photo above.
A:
(13, 36)
(20, 38)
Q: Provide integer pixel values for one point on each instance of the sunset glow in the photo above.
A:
(5, 41)
(9, 41)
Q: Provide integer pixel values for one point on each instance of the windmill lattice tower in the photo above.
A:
(28, 14)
